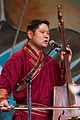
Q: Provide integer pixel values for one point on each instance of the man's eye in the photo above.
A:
(42, 31)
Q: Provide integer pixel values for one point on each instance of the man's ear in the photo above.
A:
(30, 34)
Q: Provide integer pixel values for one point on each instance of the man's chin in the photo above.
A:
(44, 46)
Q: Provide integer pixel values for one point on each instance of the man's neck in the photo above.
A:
(36, 49)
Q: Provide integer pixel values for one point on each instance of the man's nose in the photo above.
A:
(46, 35)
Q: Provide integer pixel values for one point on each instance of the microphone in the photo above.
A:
(52, 43)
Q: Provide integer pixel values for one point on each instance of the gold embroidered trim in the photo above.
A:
(35, 64)
(31, 113)
(32, 61)
(30, 52)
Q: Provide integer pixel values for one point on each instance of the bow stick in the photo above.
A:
(47, 108)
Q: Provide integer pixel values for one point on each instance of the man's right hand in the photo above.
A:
(5, 106)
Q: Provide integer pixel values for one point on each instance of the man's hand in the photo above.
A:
(69, 52)
(5, 106)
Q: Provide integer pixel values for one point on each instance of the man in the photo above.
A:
(48, 75)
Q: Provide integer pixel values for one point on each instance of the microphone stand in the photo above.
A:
(28, 80)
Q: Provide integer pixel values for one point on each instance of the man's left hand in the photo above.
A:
(69, 52)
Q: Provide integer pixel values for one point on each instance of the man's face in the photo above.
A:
(41, 36)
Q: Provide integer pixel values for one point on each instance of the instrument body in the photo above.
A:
(60, 99)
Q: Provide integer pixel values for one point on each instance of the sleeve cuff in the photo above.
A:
(3, 94)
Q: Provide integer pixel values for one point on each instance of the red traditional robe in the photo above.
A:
(43, 81)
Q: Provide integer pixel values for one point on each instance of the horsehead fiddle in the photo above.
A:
(62, 96)
(66, 66)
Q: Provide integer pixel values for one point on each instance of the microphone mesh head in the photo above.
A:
(52, 42)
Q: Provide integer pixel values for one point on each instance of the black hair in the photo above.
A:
(35, 24)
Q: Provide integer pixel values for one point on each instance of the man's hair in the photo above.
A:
(35, 24)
